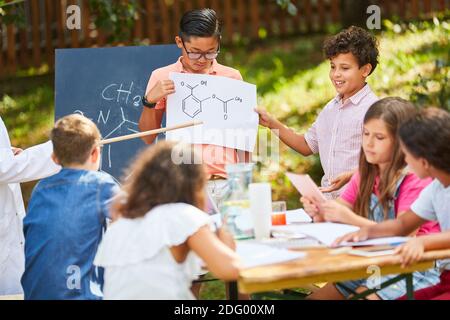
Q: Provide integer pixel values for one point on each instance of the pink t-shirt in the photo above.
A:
(408, 193)
(214, 157)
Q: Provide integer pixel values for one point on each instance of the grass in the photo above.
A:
(293, 84)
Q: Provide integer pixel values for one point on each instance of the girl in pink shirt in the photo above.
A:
(381, 189)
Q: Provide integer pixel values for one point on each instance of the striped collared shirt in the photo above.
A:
(336, 135)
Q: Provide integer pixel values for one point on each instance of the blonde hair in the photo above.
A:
(74, 136)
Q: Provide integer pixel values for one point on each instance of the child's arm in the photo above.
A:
(342, 212)
(413, 250)
(220, 259)
(151, 118)
(402, 226)
(338, 182)
(108, 193)
(288, 136)
(32, 164)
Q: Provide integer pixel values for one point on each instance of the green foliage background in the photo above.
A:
(293, 84)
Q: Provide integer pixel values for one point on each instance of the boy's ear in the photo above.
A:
(366, 69)
(95, 154)
(55, 159)
(426, 165)
(178, 42)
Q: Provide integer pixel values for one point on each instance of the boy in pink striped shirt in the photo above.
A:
(336, 135)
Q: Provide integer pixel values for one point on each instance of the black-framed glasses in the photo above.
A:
(198, 55)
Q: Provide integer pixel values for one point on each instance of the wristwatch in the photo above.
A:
(148, 104)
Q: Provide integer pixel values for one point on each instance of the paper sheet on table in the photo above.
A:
(393, 241)
(253, 255)
(296, 216)
(325, 232)
(287, 231)
(226, 107)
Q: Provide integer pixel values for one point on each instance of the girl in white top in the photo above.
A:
(152, 249)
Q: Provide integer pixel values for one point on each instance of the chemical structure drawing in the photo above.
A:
(225, 104)
(192, 105)
(130, 126)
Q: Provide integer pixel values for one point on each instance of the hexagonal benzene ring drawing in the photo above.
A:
(192, 106)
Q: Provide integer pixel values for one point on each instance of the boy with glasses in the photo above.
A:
(199, 41)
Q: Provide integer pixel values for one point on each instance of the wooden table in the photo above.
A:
(321, 266)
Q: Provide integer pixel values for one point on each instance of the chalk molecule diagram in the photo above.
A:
(131, 126)
(192, 105)
(114, 93)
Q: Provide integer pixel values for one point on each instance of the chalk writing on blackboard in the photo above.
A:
(120, 97)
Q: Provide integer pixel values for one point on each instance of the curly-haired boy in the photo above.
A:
(337, 132)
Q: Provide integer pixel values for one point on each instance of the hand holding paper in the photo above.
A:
(306, 186)
(226, 107)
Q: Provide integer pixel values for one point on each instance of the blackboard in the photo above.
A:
(106, 85)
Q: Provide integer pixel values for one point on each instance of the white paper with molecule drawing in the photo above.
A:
(226, 107)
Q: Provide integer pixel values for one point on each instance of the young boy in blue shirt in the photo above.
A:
(67, 216)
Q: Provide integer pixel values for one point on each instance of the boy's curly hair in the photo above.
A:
(361, 43)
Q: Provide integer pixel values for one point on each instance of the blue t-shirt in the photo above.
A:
(64, 225)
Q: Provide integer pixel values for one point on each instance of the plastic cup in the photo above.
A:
(278, 213)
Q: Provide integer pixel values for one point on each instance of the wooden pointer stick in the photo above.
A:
(147, 133)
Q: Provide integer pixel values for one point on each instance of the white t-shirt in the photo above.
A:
(433, 204)
(137, 259)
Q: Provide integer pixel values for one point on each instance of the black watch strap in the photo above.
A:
(148, 104)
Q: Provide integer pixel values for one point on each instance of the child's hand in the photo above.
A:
(335, 212)
(265, 119)
(360, 235)
(338, 182)
(411, 252)
(226, 237)
(16, 151)
(161, 90)
(310, 208)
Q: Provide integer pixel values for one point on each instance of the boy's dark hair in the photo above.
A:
(428, 136)
(200, 23)
(361, 43)
(73, 138)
